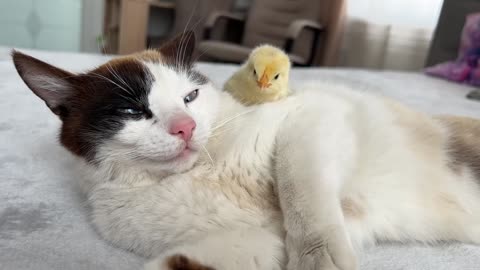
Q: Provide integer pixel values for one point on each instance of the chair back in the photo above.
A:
(268, 21)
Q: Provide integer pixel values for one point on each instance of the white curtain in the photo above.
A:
(389, 34)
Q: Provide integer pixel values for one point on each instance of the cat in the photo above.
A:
(179, 172)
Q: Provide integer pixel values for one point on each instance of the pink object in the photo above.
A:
(183, 127)
(466, 68)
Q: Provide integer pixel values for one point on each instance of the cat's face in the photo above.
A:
(150, 109)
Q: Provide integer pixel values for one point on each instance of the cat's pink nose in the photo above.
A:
(183, 127)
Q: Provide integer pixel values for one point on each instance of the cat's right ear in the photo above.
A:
(180, 49)
(49, 83)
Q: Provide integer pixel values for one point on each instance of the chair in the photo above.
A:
(308, 30)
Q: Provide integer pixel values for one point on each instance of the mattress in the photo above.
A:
(44, 221)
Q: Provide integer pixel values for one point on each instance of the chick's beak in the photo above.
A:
(263, 82)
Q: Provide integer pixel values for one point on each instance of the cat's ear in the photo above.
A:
(49, 83)
(180, 48)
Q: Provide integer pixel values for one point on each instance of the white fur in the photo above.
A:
(321, 146)
(48, 83)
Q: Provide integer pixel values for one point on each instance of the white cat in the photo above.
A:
(181, 172)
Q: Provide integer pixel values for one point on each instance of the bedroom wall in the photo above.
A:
(46, 24)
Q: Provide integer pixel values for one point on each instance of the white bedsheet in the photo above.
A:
(44, 222)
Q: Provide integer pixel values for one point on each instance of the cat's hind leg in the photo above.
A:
(446, 210)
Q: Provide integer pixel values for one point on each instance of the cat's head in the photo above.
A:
(148, 109)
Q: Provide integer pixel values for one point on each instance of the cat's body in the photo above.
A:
(411, 192)
(306, 178)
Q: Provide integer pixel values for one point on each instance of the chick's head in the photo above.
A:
(269, 67)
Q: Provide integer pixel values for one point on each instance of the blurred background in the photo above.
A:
(376, 34)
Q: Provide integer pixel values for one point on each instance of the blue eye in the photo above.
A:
(130, 111)
(191, 96)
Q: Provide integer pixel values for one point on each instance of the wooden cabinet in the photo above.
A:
(126, 24)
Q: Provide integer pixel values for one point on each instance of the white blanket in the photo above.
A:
(44, 221)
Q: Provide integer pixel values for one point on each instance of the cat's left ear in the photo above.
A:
(180, 49)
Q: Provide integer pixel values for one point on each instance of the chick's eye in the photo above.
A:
(254, 72)
(191, 96)
(276, 76)
(130, 111)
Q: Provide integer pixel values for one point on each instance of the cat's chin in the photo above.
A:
(178, 164)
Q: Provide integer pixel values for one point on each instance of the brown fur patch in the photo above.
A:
(153, 56)
(181, 262)
(463, 145)
(425, 134)
(352, 208)
(448, 201)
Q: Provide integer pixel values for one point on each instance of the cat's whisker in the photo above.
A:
(221, 130)
(182, 51)
(109, 80)
(201, 54)
(119, 86)
(208, 154)
(228, 120)
(182, 40)
(118, 77)
(195, 26)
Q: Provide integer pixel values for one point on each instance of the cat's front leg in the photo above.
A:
(325, 249)
(308, 181)
(316, 240)
(242, 249)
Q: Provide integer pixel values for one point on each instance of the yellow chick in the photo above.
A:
(262, 78)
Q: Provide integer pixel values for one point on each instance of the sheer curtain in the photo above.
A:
(389, 34)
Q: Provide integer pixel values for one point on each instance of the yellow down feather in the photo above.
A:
(262, 78)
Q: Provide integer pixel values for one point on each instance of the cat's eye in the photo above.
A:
(276, 76)
(254, 72)
(130, 111)
(191, 96)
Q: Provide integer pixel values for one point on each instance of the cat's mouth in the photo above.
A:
(182, 155)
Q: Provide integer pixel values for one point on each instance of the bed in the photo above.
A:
(44, 220)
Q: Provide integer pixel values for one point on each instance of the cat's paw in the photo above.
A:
(176, 262)
(330, 251)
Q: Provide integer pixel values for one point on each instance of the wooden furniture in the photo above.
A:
(309, 31)
(126, 24)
